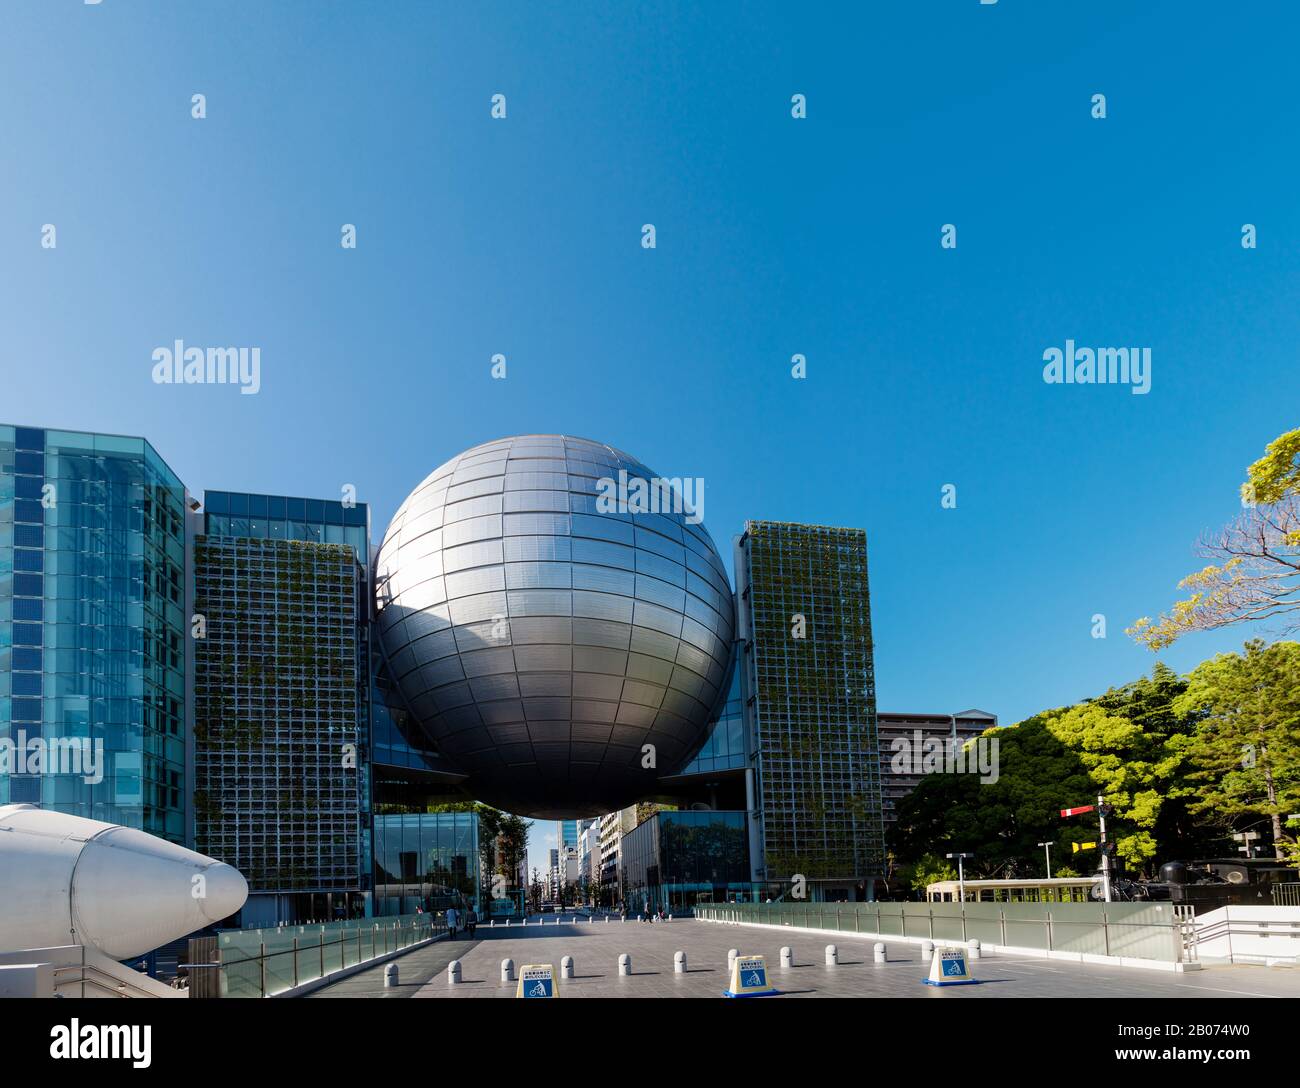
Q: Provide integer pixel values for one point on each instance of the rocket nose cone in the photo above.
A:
(226, 891)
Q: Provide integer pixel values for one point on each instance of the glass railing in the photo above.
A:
(265, 962)
(1153, 931)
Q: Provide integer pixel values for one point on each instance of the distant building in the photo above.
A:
(905, 729)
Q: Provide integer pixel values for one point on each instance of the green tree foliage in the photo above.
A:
(1130, 744)
(1255, 573)
(1245, 749)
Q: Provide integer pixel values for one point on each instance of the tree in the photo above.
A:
(929, 869)
(1246, 747)
(1256, 570)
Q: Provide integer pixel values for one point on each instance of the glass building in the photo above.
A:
(428, 860)
(282, 697)
(93, 622)
(809, 682)
(674, 860)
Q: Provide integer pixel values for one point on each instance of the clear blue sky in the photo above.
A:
(775, 236)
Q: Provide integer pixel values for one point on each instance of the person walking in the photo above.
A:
(471, 920)
(452, 919)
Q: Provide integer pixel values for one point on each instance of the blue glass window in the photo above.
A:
(28, 487)
(28, 608)
(257, 506)
(275, 508)
(27, 710)
(26, 510)
(354, 515)
(29, 438)
(27, 683)
(29, 585)
(315, 510)
(29, 536)
(216, 502)
(239, 506)
(297, 509)
(27, 659)
(27, 634)
(26, 559)
(29, 464)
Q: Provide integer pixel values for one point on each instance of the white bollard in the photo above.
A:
(566, 967)
(507, 970)
(453, 972)
(832, 955)
(624, 964)
(927, 951)
(390, 976)
(731, 959)
(878, 950)
(492, 923)
(679, 963)
(787, 956)
(973, 948)
(607, 919)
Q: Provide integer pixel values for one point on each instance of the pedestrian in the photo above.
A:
(471, 920)
(452, 919)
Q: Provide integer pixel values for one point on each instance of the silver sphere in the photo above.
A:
(542, 635)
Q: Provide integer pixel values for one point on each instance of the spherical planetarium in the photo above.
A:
(543, 626)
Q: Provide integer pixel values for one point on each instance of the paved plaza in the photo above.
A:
(595, 948)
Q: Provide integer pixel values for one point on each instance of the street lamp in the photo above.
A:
(961, 873)
(1047, 849)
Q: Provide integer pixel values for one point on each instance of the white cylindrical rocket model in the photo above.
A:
(69, 880)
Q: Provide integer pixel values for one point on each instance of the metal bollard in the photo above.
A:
(453, 972)
(566, 967)
(832, 955)
(390, 976)
(624, 964)
(507, 970)
(679, 963)
(878, 951)
(927, 951)
(973, 948)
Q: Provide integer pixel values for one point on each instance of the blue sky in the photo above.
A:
(775, 236)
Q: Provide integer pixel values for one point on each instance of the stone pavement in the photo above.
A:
(595, 948)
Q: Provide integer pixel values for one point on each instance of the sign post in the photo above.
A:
(949, 968)
(536, 980)
(749, 978)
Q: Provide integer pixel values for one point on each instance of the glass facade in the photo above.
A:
(92, 622)
(810, 680)
(725, 749)
(428, 860)
(675, 860)
(282, 692)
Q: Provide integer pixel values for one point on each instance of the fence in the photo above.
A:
(1286, 895)
(265, 962)
(1161, 932)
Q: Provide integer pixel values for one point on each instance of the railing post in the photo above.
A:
(261, 961)
(1002, 923)
(295, 961)
(1049, 928)
(322, 953)
(1105, 928)
(930, 912)
(963, 921)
